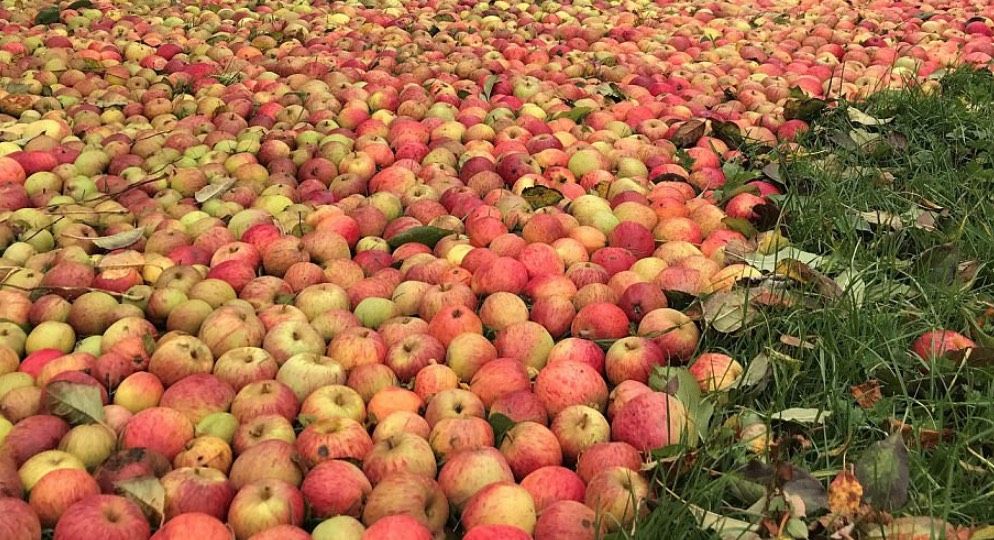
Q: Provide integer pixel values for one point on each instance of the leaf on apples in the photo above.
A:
(804, 108)
(688, 133)
(883, 472)
(611, 91)
(80, 4)
(799, 415)
(119, 240)
(576, 114)
(728, 133)
(741, 226)
(501, 424)
(426, 235)
(488, 86)
(148, 493)
(541, 196)
(75, 402)
(49, 15)
(679, 383)
(210, 191)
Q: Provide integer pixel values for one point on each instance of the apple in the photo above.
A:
(467, 352)
(498, 377)
(650, 421)
(160, 429)
(244, 365)
(407, 357)
(346, 528)
(193, 525)
(197, 396)
(569, 519)
(548, 485)
(19, 522)
(674, 333)
(263, 504)
(90, 443)
(580, 350)
(334, 488)
(130, 464)
(269, 459)
(197, 489)
(527, 342)
(500, 503)
(715, 371)
(529, 446)
(935, 343)
(397, 526)
(402, 452)
(453, 403)
(392, 399)
(617, 495)
(464, 433)
(139, 391)
(39, 465)
(264, 397)
(179, 358)
(412, 495)
(567, 383)
(333, 400)
(521, 406)
(632, 359)
(108, 517)
(333, 438)
(57, 491)
(304, 373)
(579, 427)
(604, 455)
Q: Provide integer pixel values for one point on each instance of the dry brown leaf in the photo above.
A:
(867, 394)
(927, 438)
(793, 341)
(845, 494)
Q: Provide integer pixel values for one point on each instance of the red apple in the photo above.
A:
(106, 517)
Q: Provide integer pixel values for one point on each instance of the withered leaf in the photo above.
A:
(794, 341)
(117, 241)
(76, 403)
(541, 196)
(882, 470)
(148, 493)
(867, 394)
(426, 235)
(688, 133)
(845, 494)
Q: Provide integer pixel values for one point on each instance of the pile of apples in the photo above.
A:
(274, 270)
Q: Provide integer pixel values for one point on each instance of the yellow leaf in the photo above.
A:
(845, 494)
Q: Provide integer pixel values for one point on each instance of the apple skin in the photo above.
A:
(160, 429)
(197, 489)
(454, 434)
(674, 333)
(400, 453)
(498, 377)
(33, 435)
(268, 459)
(716, 372)
(579, 427)
(568, 382)
(397, 526)
(103, 517)
(19, 520)
(193, 525)
(333, 438)
(198, 395)
(605, 455)
(466, 472)
(334, 488)
(529, 446)
(501, 503)
(568, 519)
(617, 495)
(407, 494)
(496, 532)
(264, 504)
(649, 421)
(632, 359)
(343, 528)
(936, 343)
(58, 490)
(600, 321)
(549, 485)
(521, 406)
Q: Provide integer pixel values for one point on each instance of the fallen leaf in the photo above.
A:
(859, 117)
(120, 240)
(973, 356)
(210, 191)
(881, 218)
(927, 438)
(148, 493)
(576, 114)
(867, 394)
(802, 273)
(76, 403)
(541, 196)
(802, 415)
(488, 86)
(845, 494)
(727, 312)
(794, 341)
(983, 533)
(768, 262)
(756, 371)
(426, 235)
(688, 133)
(882, 470)
(741, 226)
(724, 526)
(805, 108)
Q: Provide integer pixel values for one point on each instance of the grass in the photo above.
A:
(941, 156)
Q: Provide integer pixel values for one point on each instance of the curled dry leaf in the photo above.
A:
(926, 438)
(867, 394)
(794, 341)
(728, 312)
(210, 191)
(857, 116)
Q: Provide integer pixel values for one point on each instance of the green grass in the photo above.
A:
(911, 286)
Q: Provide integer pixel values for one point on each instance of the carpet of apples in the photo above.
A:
(280, 270)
